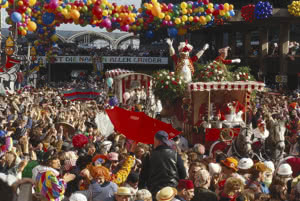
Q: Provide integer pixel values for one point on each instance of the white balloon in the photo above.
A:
(126, 96)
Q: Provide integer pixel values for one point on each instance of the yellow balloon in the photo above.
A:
(32, 2)
(191, 18)
(201, 10)
(210, 5)
(64, 11)
(183, 5)
(184, 18)
(31, 26)
(161, 15)
(222, 12)
(5, 5)
(184, 11)
(168, 17)
(177, 21)
(226, 6)
(105, 13)
(75, 14)
(202, 20)
(154, 1)
(231, 7)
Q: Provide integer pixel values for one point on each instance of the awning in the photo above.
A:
(116, 72)
(229, 86)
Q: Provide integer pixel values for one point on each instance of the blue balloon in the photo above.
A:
(47, 1)
(109, 82)
(113, 101)
(149, 34)
(41, 31)
(48, 18)
(172, 32)
(16, 17)
(3, 2)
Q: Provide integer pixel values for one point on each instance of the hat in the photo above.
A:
(245, 163)
(78, 197)
(113, 156)
(166, 194)
(185, 47)
(123, 191)
(261, 167)
(98, 157)
(230, 162)
(185, 184)
(163, 137)
(133, 177)
(284, 170)
(9, 42)
(224, 50)
(270, 165)
(214, 168)
(143, 194)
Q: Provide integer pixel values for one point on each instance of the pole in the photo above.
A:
(246, 101)
(208, 106)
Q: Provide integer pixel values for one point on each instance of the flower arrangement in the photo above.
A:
(217, 72)
(168, 86)
(213, 72)
(243, 74)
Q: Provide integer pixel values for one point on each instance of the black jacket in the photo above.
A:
(164, 167)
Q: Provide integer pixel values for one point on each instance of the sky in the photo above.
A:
(74, 27)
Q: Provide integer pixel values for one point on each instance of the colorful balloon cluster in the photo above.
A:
(294, 8)
(180, 18)
(263, 10)
(45, 15)
(247, 12)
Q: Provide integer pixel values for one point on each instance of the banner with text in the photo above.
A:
(109, 60)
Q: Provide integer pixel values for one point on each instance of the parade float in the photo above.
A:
(214, 104)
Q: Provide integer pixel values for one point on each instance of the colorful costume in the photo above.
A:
(10, 62)
(50, 185)
(184, 63)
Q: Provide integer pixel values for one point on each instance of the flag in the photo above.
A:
(81, 94)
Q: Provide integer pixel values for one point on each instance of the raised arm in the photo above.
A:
(171, 49)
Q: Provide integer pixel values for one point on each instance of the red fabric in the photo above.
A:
(79, 141)
(295, 164)
(224, 61)
(10, 62)
(138, 126)
(185, 184)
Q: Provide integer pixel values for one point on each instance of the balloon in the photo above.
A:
(177, 21)
(48, 18)
(184, 18)
(54, 38)
(113, 101)
(172, 32)
(126, 96)
(109, 82)
(75, 14)
(16, 17)
(32, 2)
(149, 34)
(31, 26)
(183, 5)
(182, 31)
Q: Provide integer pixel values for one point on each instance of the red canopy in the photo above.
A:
(138, 126)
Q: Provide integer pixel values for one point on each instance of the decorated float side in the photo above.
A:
(207, 102)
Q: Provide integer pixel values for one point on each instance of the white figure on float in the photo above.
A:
(184, 63)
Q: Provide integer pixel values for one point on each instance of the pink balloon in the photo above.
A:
(125, 28)
(221, 7)
(170, 6)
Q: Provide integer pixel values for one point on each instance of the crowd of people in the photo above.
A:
(54, 144)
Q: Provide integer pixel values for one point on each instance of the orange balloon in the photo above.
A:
(75, 14)
(31, 26)
(23, 32)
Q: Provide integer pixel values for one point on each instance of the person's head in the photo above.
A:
(194, 168)
(199, 149)
(144, 195)
(51, 159)
(139, 152)
(185, 189)
(113, 157)
(166, 194)
(10, 158)
(202, 179)
(133, 179)
(229, 166)
(100, 174)
(123, 194)
(258, 172)
(161, 138)
(284, 172)
(77, 197)
(233, 185)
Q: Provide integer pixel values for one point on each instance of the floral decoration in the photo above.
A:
(168, 86)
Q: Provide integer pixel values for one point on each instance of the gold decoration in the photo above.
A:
(9, 42)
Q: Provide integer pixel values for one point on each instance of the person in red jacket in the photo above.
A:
(223, 55)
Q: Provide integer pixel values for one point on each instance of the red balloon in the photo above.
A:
(196, 19)
(208, 11)
(97, 11)
(205, 2)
